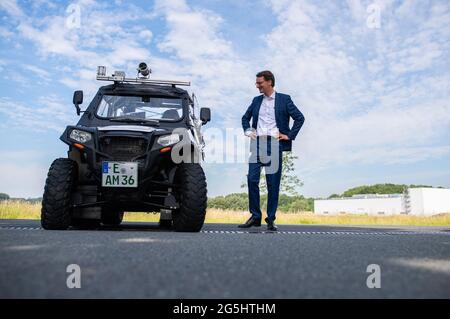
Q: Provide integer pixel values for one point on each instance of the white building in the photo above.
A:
(415, 201)
(427, 201)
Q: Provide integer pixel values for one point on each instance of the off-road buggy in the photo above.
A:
(137, 148)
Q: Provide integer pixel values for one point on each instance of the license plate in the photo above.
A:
(119, 174)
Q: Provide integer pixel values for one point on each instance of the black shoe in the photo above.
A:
(251, 222)
(271, 225)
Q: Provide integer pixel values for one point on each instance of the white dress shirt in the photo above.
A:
(266, 120)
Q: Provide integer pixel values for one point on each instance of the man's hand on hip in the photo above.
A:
(251, 133)
(283, 137)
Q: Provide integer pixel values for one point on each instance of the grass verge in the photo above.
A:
(24, 210)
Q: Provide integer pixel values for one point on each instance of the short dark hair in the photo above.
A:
(268, 76)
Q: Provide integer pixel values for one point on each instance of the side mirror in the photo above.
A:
(205, 115)
(77, 100)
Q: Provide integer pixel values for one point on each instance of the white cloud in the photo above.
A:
(361, 109)
(3, 63)
(12, 8)
(98, 41)
(146, 35)
(18, 78)
(53, 40)
(43, 3)
(194, 36)
(104, 38)
(5, 33)
(357, 9)
(46, 113)
(38, 71)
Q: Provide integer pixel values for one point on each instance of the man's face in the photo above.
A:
(262, 85)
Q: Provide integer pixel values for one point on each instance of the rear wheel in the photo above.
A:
(57, 199)
(191, 195)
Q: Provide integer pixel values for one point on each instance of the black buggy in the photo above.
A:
(137, 148)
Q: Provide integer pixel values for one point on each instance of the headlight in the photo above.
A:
(80, 136)
(169, 139)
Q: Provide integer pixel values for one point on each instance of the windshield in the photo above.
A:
(140, 108)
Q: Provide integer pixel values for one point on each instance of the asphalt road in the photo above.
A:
(138, 260)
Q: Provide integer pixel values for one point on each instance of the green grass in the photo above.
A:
(24, 210)
(19, 210)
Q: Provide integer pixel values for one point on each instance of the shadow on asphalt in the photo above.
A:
(151, 227)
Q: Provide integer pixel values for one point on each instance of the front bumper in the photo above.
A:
(122, 146)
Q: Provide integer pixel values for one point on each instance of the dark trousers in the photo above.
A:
(265, 152)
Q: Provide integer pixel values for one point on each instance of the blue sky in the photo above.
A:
(371, 77)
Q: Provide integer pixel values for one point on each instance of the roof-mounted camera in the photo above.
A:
(143, 70)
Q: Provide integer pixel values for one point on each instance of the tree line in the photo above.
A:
(4, 197)
(378, 189)
(239, 201)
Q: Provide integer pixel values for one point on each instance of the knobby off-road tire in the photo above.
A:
(191, 195)
(112, 218)
(57, 200)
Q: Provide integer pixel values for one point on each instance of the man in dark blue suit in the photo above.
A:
(271, 135)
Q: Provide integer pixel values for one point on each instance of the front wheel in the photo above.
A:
(57, 199)
(191, 195)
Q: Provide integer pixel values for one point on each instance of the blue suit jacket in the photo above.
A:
(284, 110)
